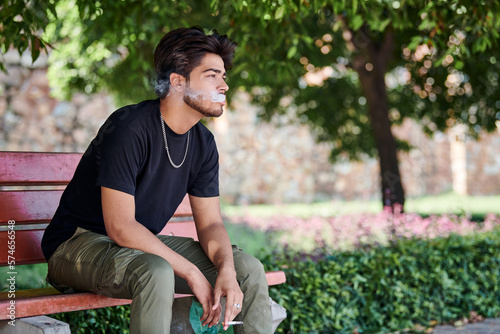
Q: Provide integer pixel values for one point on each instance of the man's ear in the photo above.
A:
(177, 82)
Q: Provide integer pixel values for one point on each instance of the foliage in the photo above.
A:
(29, 276)
(100, 50)
(412, 284)
(20, 22)
(103, 320)
(249, 239)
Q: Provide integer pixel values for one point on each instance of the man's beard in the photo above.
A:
(195, 99)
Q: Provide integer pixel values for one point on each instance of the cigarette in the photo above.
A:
(232, 323)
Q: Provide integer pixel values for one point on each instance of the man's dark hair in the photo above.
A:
(181, 50)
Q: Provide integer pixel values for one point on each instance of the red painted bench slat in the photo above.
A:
(27, 247)
(21, 168)
(28, 206)
(39, 206)
(181, 229)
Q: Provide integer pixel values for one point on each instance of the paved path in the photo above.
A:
(488, 326)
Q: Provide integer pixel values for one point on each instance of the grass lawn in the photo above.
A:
(449, 203)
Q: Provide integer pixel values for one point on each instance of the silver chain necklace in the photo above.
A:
(166, 145)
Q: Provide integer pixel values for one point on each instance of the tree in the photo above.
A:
(350, 69)
(366, 65)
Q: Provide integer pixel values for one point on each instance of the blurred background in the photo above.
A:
(351, 125)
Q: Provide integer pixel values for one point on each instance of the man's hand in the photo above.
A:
(216, 244)
(227, 285)
(205, 295)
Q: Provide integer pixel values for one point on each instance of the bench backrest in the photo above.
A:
(31, 184)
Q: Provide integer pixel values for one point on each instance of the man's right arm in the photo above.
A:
(118, 210)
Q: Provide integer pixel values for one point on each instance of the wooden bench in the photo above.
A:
(31, 185)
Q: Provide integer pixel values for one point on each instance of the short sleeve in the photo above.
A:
(206, 183)
(120, 159)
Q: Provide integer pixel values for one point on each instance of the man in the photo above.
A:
(131, 179)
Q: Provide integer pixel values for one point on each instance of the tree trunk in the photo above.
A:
(374, 90)
(371, 66)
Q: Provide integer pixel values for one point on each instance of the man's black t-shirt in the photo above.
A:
(128, 154)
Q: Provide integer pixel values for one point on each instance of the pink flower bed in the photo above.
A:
(349, 231)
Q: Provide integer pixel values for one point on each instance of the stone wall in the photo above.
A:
(483, 165)
(31, 120)
(260, 162)
(281, 162)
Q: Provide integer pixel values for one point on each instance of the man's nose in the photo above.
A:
(223, 87)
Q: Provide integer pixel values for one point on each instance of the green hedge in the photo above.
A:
(386, 289)
(104, 320)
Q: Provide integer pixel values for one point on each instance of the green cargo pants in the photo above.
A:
(90, 261)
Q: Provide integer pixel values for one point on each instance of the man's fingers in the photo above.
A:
(215, 316)
(217, 295)
(228, 317)
(209, 319)
(207, 309)
(232, 310)
(228, 286)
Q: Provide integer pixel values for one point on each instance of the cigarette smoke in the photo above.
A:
(214, 95)
(161, 87)
(217, 97)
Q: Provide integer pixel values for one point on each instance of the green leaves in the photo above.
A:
(21, 23)
(279, 13)
(291, 52)
(356, 22)
(104, 320)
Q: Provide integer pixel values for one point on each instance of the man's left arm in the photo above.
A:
(216, 244)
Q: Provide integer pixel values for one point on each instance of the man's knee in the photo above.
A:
(248, 266)
(153, 273)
